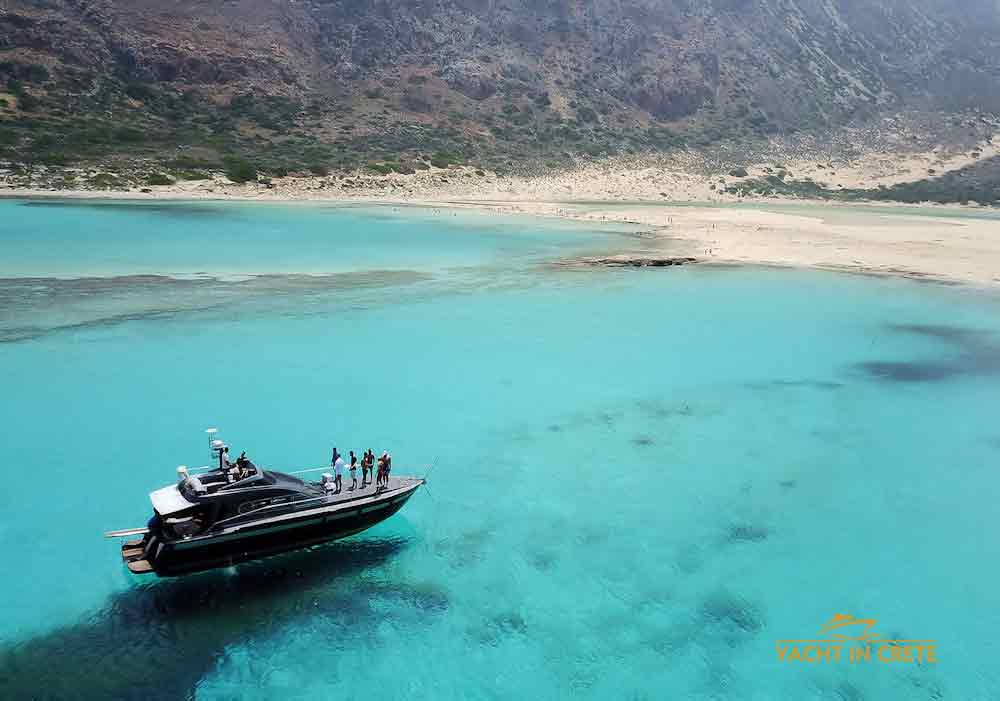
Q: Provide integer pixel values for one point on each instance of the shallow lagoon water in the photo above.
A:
(643, 479)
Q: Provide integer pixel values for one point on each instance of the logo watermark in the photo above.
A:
(845, 638)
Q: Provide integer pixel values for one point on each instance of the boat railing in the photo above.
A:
(329, 468)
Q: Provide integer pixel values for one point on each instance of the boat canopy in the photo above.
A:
(169, 500)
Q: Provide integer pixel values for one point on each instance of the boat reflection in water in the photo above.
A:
(237, 512)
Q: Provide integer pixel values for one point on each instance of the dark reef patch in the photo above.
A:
(542, 560)
(630, 262)
(100, 302)
(496, 628)
(976, 353)
(465, 549)
(788, 484)
(914, 371)
(643, 441)
(846, 691)
(732, 616)
(747, 533)
(607, 418)
(171, 209)
(660, 410)
(795, 384)
(945, 332)
(156, 641)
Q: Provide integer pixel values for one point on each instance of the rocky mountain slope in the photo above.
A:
(321, 84)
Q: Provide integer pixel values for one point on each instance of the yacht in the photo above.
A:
(216, 517)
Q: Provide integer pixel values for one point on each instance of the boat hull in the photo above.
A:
(171, 559)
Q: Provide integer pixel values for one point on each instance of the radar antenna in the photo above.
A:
(215, 445)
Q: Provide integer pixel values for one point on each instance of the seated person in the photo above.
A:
(235, 471)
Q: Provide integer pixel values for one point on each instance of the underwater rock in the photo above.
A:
(633, 262)
(746, 533)
(542, 560)
(917, 371)
(731, 612)
(795, 384)
(945, 332)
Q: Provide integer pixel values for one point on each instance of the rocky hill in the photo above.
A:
(326, 84)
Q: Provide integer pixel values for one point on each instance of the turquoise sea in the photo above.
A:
(643, 479)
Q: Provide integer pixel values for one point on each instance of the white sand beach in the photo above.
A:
(685, 213)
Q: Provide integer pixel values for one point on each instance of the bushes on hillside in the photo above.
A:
(159, 179)
(241, 171)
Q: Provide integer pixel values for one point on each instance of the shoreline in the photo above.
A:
(926, 243)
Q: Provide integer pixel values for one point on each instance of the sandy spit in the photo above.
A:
(684, 213)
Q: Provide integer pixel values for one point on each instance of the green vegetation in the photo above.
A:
(774, 185)
(240, 171)
(443, 159)
(29, 72)
(106, 181)
(26, 102)
(140, 91)
(191, 163)
(128, 135)
(978, 183)
(159, 179)
(191, 175)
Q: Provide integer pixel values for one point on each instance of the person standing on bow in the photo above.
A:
(380, 476)
(338, 470)
(367, 468)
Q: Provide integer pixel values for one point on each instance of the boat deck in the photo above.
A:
(347, 494)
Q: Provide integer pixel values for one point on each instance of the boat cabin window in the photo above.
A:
(253, 505)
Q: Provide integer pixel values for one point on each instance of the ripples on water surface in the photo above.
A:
(644, 478)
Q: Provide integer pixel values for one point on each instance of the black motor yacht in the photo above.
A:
(216, 517)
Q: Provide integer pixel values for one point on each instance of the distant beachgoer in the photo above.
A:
(354, 471)
(338, 472)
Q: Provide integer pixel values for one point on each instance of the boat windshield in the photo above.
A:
(218, 481)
